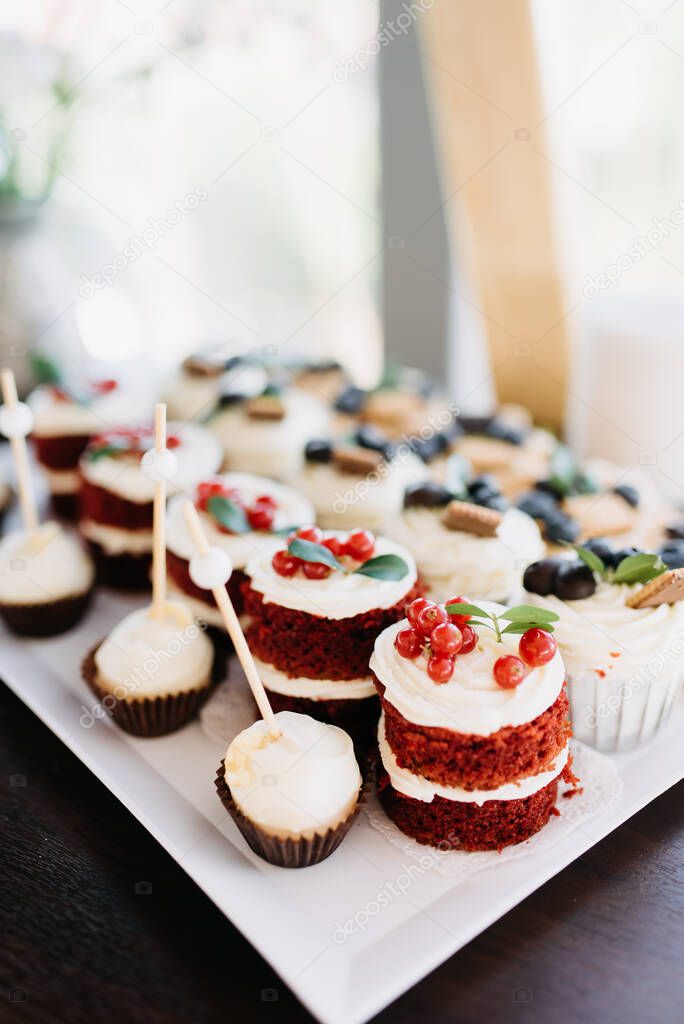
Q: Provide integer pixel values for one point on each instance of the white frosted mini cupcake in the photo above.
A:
(359, 481)
(294, 796)
(46, 580)
(242, 514)
(621, 633)
(208, 376)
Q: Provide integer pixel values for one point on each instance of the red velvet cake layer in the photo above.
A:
(103, 506)
(312, 646)
(60, 453)
(453, 825)
(478, 762)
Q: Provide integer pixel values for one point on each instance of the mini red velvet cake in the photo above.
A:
(317, 606)
(116, 497)
(65, 421)
(474, 732)
(241, 514)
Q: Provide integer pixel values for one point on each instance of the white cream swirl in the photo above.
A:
(293, 510)
(198, 454)
(602, 633)
(44, 566)
(270, 447)
(453, 562)
(420, 788)
(148, 657)
(341, 595)
(58, 417)
(301, 783)
(472, 701)
(344, 501)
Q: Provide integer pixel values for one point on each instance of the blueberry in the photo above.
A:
(573, 581)
(370, 437)
(426, 494)
(538, 504)
(351, 400)
(319, 450)
(624, 553)
(672, 554)
(485, 482)
(561, 527)
(629, 493)
(474, 424)
(428, 448)
(676, 531)
(229, 398)
(504, 432)
(497, 502)
(605, 551)
(539, 577)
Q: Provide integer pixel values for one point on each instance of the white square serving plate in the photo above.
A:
(296, 918)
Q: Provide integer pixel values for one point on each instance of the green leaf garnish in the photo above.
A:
(106, 451)
(310, 552)
(456, 476)
(228, 514)
(562, 469)
(528, 613)
(595, 563)
(522, 627)
(639, 569)
(384, 567)
(45, 369)
(460, 608)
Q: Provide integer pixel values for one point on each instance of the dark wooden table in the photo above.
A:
(99, 924)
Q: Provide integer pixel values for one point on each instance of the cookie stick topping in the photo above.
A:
(16, 421)
(159, 464)
(210, 569)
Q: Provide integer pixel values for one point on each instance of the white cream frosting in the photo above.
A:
(302, 783)
(314, 689)
(270, 447)
(45, 566)
(472, 701)
(341, 595)
(602, 633)
(55, 417)
(292, 510)
(344, 501)
(116, 541)
(419, 788)
(198, 454)
(148, 657)
(453, 562)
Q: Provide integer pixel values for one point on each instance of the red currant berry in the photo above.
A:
(470, 639)
(360, 545)
(260, 517)
(105, 386)
(446, 639)
(316, 570)
(536, 647)
(311, 533)
(173, 442)
(458, 620)
(428, 618)
(267, 500)
(509, 671)
(334, 546)
(408, 643)
(440, 668)
(415, 607)
(284, 563)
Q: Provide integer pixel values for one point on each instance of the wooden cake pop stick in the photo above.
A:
(232, 623)
(17, 439)
(159, 521)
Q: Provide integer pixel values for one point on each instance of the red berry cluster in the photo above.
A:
(536, 648)
(104, 387)
(432, 631)
(358, 546)
(260, 513)
(437, 634)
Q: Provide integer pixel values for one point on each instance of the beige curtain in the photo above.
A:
(482, 74)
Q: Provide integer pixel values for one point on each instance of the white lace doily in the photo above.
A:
(600, 783)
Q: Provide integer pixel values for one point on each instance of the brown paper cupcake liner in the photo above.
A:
(151, 716)
(47, 619)
(284, 853)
